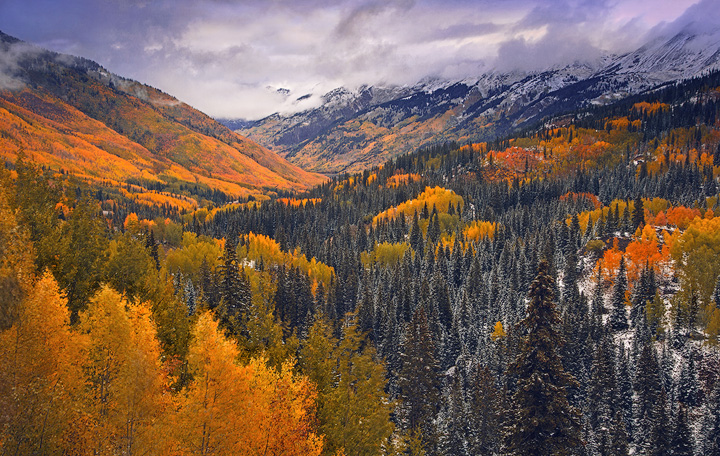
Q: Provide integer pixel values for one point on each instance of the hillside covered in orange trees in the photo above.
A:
(70, 115)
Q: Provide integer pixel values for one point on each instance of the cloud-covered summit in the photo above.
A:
(229, 57)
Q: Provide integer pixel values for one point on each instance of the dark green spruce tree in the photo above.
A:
(618, 314)
(710, 435)
(542, 421)
(235, 294)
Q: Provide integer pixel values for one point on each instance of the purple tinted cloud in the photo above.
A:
(229, 57)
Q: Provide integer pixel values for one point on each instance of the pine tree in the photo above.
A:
(603, 392)
(688, 388)
(618, 313)
(638, 214)
(190, 297)
(644, 292)
(454, 425)
(542, 421)
(485, 413)
(650, 413)
(625, 389)
(434, 232)
(235, 292)
(152, 247)
(618, 436)
(710, 435)
(418, 379)
(440, 295)
(417, 242)
(681, 442)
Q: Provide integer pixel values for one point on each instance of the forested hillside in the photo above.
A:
(554, 292)
(72, 116)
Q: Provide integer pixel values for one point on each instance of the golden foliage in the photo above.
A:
(437, 197)
(645, 250)
(41, 380)
(650, 108)
(189, 258)
(294, 202)
(231, 409)
(127, 385)
(397, 180)
(478, 229)
(498, 331)
(385, 254)
(260, 247)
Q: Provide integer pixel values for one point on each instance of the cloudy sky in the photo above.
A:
(229, 57)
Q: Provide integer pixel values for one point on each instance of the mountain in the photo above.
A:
(71, 114)
(353, 130)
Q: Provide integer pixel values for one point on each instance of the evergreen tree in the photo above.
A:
(152, 247)
(618, 313)
(190, 297)
(638, 214)
(688, 388)
(454, 426)
(418, 379)
(603, 393)
(235, 292)
(434, 232)
(716, 293)
(650, 410)
(681, 441)
(485, 413)
(625, 390)
(440, 295)
(542, 421)
(643, 292)
(710, 435)
(618, 436)
(417, 242)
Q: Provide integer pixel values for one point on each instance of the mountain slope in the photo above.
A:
(360, 132)
(70, 113)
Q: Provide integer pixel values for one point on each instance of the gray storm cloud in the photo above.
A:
(230, 57)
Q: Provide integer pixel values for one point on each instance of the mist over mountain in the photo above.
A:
(354, 129)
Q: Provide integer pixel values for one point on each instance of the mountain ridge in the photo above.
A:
(358, 134)
(66, 112)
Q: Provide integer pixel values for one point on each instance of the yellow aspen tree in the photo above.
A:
(41, 381)
(127, 393)
(230, 409)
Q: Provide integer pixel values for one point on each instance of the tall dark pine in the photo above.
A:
(485, 412)
(234, 291)
(710, 435)
(681, 443)
(542, 421)
(418, 380)
(603, 393)
(618, 314)
(650, 413)
(417, 241)
(638, 214)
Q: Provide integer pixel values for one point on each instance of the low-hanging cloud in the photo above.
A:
(229, 57)
(10, 56)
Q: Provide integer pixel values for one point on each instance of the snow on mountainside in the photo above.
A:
(352, 130)
(683, 56)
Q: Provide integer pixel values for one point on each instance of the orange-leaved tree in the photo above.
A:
(231, 409)
(127, 382)
(41, 381)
